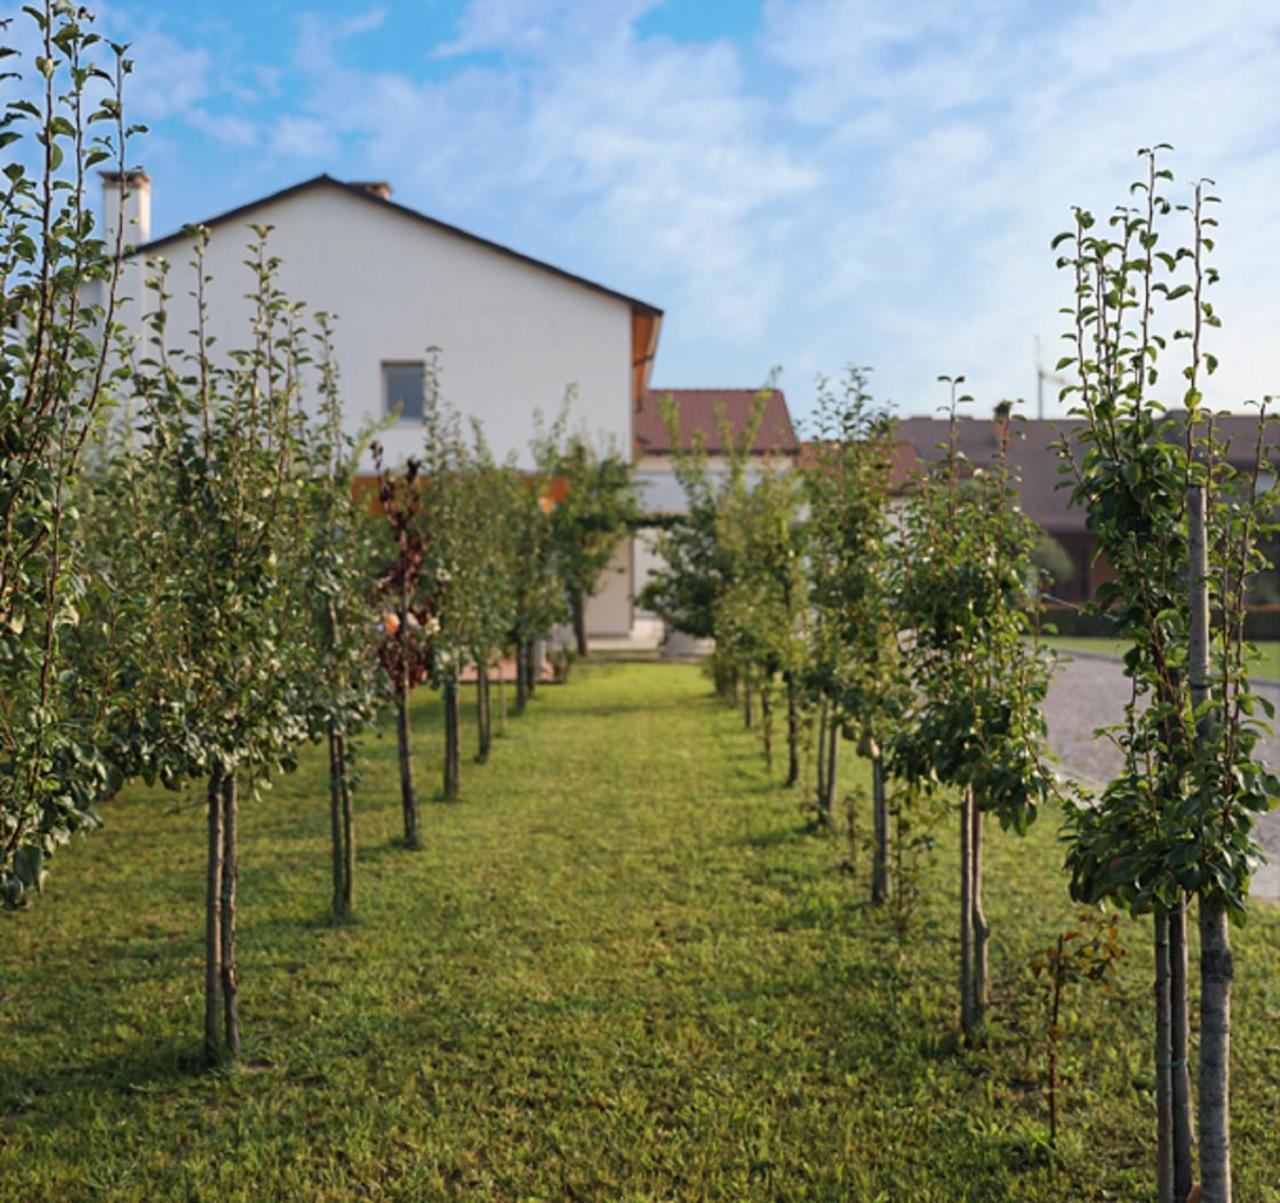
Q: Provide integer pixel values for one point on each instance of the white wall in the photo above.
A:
(512, 336)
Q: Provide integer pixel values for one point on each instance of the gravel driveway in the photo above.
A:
(1089, 692)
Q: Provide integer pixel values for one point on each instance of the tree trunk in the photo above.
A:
(1216, 974)
(348, 831)
(579, 604)
(230, 874)
(793, 732)
(748, 706)
(822, 760)
(766, 723)
(408, 795)
(522, 683)
(1179, 1064)
(483, 712)
(967, 1023)
(833, 771)
(452, 756)
(1164, 1061)
(531, 668)
(213, 926)
(1216, 969)
(335, 822)
(502, 701)
(880, 876)
(981, 928)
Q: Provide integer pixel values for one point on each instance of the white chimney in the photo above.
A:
(136, 205)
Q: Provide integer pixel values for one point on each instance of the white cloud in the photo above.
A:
(303, 138)
(967, 136)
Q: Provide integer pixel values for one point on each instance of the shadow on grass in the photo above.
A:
(145, 1067)
(776, 838)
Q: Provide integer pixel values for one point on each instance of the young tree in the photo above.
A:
(537, 593)
(406, 649)
(490, 506)
(218, 500)
(451, 568)
(683, 591)
(58, 297)
(978, 672)
(761, 618)
(596, 513)
(857, 667)
(342, 689)
(1181, 528)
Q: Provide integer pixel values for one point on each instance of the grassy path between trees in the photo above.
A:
(619, 971)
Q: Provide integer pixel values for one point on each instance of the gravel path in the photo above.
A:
(1090, 692)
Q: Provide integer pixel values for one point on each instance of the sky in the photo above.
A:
(805, 184)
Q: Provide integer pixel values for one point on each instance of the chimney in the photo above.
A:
(379, 188)
(136, 204)
(1003, 411)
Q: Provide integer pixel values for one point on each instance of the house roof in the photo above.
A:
(1037, 465)
(365, 195)
(904, 462)
(698, 410)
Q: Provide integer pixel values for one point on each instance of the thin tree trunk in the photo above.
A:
(833, 770)
(748, 706)
(531, 668)
(579, 604)
(451, 734)
(981, 928)
(522, 682)
(1164, 1061)
(483, 712)
(335, 822)
(502, 701)
(408, 795)
(1216, 968)
(766, 723)
(822, 760)
(230, 874)
(1216, 974)
(348, 831)
(880, 876)
(1179, 1052)
(966, 912)
(793, 732)
(213, 926)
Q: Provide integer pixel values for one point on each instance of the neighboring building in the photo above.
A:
(703, 414)
(1043, 480)
(514, 333)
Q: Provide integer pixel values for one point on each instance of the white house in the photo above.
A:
(513, 333)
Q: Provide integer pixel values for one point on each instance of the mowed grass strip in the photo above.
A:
(620, 970)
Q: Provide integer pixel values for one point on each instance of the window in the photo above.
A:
(403, 384)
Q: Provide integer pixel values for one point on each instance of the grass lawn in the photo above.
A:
(1265, 667)
(620, 970)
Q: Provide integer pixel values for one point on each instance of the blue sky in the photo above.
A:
(803, 183)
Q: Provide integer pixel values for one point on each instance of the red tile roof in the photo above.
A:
(698, 408)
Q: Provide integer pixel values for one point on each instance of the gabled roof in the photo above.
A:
(697, 409)
(365, 196)
(1036, 463)
(904, 462)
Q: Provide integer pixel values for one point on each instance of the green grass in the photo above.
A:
(1265, 667)
(620, 970)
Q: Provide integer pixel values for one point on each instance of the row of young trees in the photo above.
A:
(194, 585)
(910, 627)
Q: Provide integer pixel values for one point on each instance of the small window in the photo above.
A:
(402, 389)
